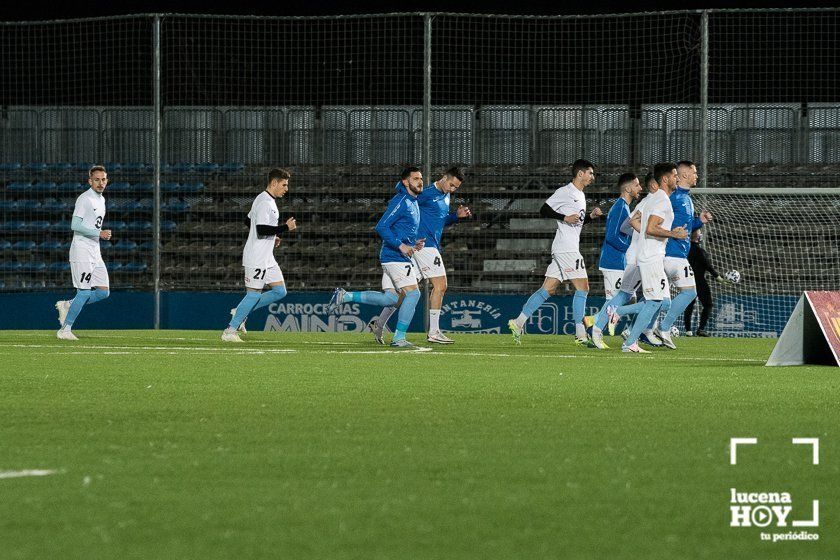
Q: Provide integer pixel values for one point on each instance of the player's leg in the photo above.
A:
(704, 294)
(579, 307)
(378, 323)
(92, 285)
(630, 283)
(277, 288)
(411, 295)
(682, 276)
(255, 280)
(548, 288)
(654, 288)
(430, 264)
(687, 315)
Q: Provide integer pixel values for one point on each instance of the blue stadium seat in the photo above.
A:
(123, 206)
(207, 167)
(139, 226)
(58, 266)
(193, 187)
(71, 187)
(113, 167)
(105, 245)
(61, 227)
(136, 168)
(60, 167)
(10, 266)
(29, 206)
(25, 245)
(12, 226)
(9, 206)
(176, 206)
(44, 186)
(116, 225)
(114, 266)
(169, 187)
(144, 187)
(18, 186)
(35, 167)
(33, 266)
(146, 246)
(233, 167)
(119, 186)
(5, 245)
(125, 246)
(183, 167)
(135, 268)
(38, 226)
(8, 167)
(50, 246)
(83, 166)
(146, 205)
(168, 226)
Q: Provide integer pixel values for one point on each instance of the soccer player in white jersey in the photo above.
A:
(434, 217)
(568, 206)
(261, 268)
(655, 224)
(90, 277)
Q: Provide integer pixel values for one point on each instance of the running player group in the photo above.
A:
(646, 248)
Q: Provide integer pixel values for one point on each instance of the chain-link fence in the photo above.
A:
(189, 112)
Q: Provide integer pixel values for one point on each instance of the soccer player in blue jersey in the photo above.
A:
(398, 229)
(434, 217)
(617, 239)
(568, 206)
(677, 267)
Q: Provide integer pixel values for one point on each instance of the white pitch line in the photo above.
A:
(25, 473)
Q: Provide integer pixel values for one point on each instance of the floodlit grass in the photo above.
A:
(173, 445)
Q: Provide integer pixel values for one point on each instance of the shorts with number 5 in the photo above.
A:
(398, 275)
(654, 282)
(87, 275)
(566, 266)
(257, 278)
(679, 272)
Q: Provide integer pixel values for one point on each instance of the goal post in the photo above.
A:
(782, 241)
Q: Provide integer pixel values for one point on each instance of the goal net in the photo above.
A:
(782, 241)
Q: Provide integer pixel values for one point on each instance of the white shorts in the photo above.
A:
(429, 262)
(631, 279)
(257, 278)
(679, 272)
(87, 275)
(566, 266)
(654, 281)
(612, 281)
(398, 275)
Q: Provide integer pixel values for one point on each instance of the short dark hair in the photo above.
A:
(662, 169)
(581, 165)
(685, 163)
(626, 178)
(455, 172)
(96, 168)
(406, 173)
(279, 174)
(648, 177)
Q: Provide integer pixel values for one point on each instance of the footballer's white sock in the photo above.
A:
(580, 331)
(521, 320)
(434, 320)
(385, 314)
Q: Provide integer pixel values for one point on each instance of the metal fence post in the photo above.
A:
(427, 127)
(157, 156)
(704, 98)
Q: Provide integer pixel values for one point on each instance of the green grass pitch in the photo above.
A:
(327, 446)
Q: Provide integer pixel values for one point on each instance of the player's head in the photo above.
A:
(583, 172)
(629, 183)
(98, 178)
(412, 178)
(665, 175)
(278, 182)
(451, 179)
(686, 174)
(650, 183)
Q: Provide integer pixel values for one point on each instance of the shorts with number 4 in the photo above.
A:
(257, 278)
(88, 275)
(429, 262)
(566, 266)
(398, 275)
(654, 281)
(612, 281)
(679, 272)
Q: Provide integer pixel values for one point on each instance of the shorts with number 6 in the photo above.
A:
(566, 266)
(88, 275)
(654, 281)
(257, 278)
(612, 281)
(398, 275)
(679, 272)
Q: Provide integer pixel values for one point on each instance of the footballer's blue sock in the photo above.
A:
(82, 297)
(677, 307)
(382, 299)
(579, 306)
(649, 309)
(244, 308)
(274, 294)
(617, 300)
(535, 301)
(406, 313)
(631, 309)
(666, 305)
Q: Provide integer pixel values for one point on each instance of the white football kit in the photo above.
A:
(261, 267)
(566, 260)
(86, 262)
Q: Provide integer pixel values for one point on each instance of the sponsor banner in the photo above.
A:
(750, 316)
